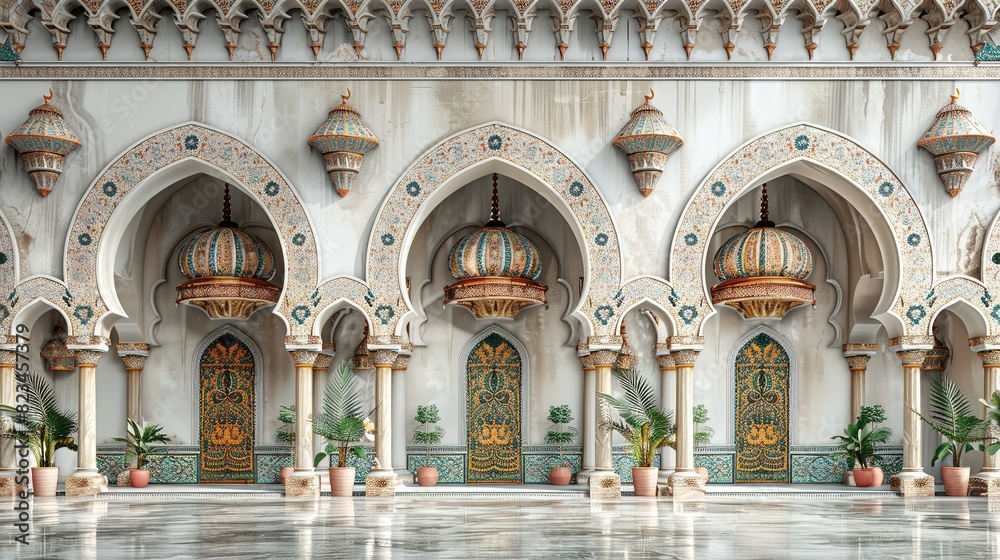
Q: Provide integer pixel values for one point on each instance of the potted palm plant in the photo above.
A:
(286, 434)
(952, 417)
(137, 444)
(428, 433)
(857, 445)
(560, 434)
(342, 425)
(43, 427)
(640, 421)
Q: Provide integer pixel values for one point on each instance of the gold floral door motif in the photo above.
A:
(494, 411)
(227, 372)
(762, 380)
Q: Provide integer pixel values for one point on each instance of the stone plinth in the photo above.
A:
(86, 484)
(124, 478)
(380, 484)
(302, 486)
(605, 486)
(913, 486)
(686, 485)
(9, 487)
(984, 486)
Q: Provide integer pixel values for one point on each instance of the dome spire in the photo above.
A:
(227, 210)
(764, 217)
(495, 220)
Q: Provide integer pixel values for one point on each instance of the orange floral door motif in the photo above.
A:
(762, 378)
(494, 411)
(227, 372)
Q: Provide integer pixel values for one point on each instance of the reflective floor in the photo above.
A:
(514, 527)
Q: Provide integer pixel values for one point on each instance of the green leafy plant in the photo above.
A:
(702, 433)
(341, 422)
(641, 422)
(428, 433)
(991, 442)
(951, 416)
(138, 439)
(561, 434)
(857, 445)
(39, 423)
(286, 433)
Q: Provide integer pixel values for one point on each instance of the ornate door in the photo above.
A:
(494, 411)
(762, 377)
(227, 372)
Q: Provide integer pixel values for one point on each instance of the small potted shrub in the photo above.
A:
(857, 445)
(952, 417)
(702, 435)
(286, 434)
(428, 433)
(560, 434)
(43, 427)
(646, 427)
(343, 426)
(137, 445)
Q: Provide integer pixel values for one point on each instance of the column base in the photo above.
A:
(404, 475)
(686, 485)
(914, 484)
(604, 485)
(9, 487)
(302, 484)
(86, 483)
(124, 478)
(663, 478)
(380, 484)
(584, 474)
(984, 483)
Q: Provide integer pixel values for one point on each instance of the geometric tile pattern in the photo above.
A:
(363, 466)
(173, 469)
(111, 465)
(817, 469)
(269, 467)
(623, 463)
(537, 467)
(720, 467)
(451, 468)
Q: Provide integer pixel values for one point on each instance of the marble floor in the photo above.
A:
(509, 527)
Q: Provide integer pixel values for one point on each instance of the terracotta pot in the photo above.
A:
(342, 481)
(702, 474)
(956, 480)
(560, 476)
(427, 476)
(44, 480)
(285, 473)
(878, 477)
(863, 477)
(644, 480)
(138, 478)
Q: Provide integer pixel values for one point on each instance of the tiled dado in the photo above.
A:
(181, 466)
(623, 461)
(451, 468)
(809, 464)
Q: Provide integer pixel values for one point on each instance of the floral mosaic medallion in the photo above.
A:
(494, 411)
(761, 378)
(227, 372)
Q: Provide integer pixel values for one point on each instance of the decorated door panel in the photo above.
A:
(762, 405)
(494, 411)
(227, 410)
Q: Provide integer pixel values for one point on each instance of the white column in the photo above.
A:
(8, 461)
(86, 480)
(303, 361)
(376, 483)
(321, 376)
(589, 420)
(987, 481)
(133, 355)
(399, 433)
(667, 395)
(857, 361)
(603, 362)
(912, 481)
(684, 479)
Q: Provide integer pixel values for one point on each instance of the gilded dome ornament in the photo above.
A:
(763, 270)
(228, 270)
(44, 141)
(956, 140)
(343, 139)
(647, 139)
(55, 354)
(497, 270)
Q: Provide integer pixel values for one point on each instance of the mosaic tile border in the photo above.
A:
(451, 468)
(537, 466)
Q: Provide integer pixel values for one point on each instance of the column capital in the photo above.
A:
(587, 362)
(604, 358)
(88, 357)
(132, 349)
(8, 358)
(667, 362)
(304, 357)
(686, 343)
(990, 358)
(322, 362)
(403, 357)
(384, 357)
(981, 343)
(912, 358)
(133, 362)
(858, 362)
(860, 348)
(685, 357)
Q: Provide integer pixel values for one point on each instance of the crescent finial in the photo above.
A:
(956, 95)
(48, 97)
(649, 96)
(344, 98)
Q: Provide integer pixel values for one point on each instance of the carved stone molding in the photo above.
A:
(685, 358)
(604, 358)
(133, 362)
(666, 362)
(912, 358)
(322, 362)
(990, 358)
(8, 358)
(384, 358)
(587, 362)
(304, 357)
(858, 363)
(88, 357)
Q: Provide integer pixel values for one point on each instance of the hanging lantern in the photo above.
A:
(935, 357)
(763, 270)
(228, 270)
(44, 141)
(955, 139)
(496, 269)
(647, 139)
(343, 140)
(55, 354)
(626, 359)
(362, 357)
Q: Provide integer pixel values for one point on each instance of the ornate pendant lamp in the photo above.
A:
(763, 270)
(362, 357)
(496, 269)
(647, 139)
(55, 354)
(343, 140)
(44, 141)
(228, 270)
(935, 357)
(956, 139)
(626, 359)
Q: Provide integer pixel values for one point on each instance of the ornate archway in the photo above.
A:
(150, 166)
(877, 193)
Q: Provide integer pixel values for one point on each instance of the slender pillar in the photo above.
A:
(399, 414)
(321, 376)
(667, 395)
(684, 480)
(303, 482)
(134, 355)
(8, 460)
(858, 366)
(913, 481)
(590, 420)
(603, 362)
(86, 480)
(382, 480)
(987, 481)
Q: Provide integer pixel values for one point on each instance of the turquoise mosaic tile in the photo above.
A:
(720, 467)
(268, 468)
(363, 466)
(623, 463)
(892, 464)
(537, 467)
(173, 469)
(817, 469)
(111, 466)
(451, 468)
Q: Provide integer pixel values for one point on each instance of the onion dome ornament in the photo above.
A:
(55, 354)
(343, 139)
(497, 270)
(228, 270)
(647, 139)
(763, 270)
(44, 141)
(956, 140)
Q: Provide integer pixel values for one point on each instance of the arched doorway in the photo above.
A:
(493, 410)
(762, 377)
(228, 374)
